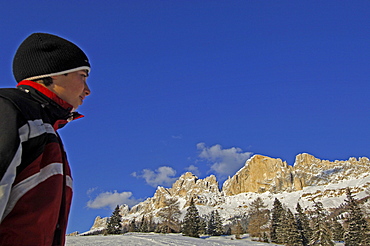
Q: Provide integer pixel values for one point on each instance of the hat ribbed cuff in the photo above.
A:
(59, 73)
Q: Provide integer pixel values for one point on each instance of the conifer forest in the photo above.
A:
(349, 223)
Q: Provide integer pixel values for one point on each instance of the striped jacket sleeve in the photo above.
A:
(10, 149)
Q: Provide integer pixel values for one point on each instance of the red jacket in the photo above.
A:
(35, 178)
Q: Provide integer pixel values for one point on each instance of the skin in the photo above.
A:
(71, 87)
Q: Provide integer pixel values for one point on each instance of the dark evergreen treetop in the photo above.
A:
(114, 225)
(191, 224)
(358, 228)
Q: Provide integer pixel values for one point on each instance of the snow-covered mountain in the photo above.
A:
(307, 180)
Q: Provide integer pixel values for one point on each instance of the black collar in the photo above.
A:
(58, 110)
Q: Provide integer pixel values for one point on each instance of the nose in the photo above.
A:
(87, 90)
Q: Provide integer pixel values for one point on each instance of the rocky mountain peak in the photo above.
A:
(313, 171)
(189, 186)
(308, 179)
(260, 174)
(186, 187)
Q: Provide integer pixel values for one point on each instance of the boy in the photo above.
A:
(35, 178)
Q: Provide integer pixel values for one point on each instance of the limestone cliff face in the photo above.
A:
(152, 203)
(313, 171)
(187, 186)
(261, 174)
(99, 223)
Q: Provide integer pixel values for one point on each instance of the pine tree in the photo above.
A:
(277, 217)
(211, 224)
(258, 217)
(140, 226)
(228, 231)
(144, 226)
(293, 237)
(202, 226)
(164, 228)
(191, 222)
(132, 226)
(114, 225)
(282, 230)
(238, 230)
(218, 224)
(214, 227)
(151, 224)
(170, 214)
(338, 230)
(321, 233)
(358, 228)
(303, 225)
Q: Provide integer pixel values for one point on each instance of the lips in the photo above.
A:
(82, 99)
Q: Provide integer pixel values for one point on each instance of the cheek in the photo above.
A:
(78, 88)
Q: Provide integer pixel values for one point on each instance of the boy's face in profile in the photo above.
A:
(71, 87)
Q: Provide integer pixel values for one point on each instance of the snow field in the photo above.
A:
(154, 239)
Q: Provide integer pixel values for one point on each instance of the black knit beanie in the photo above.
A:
(42, 55)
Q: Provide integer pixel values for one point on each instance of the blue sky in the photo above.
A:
(201, 85)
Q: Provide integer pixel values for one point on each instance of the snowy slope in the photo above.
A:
(138, 239)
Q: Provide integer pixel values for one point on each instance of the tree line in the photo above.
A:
(348, 223)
